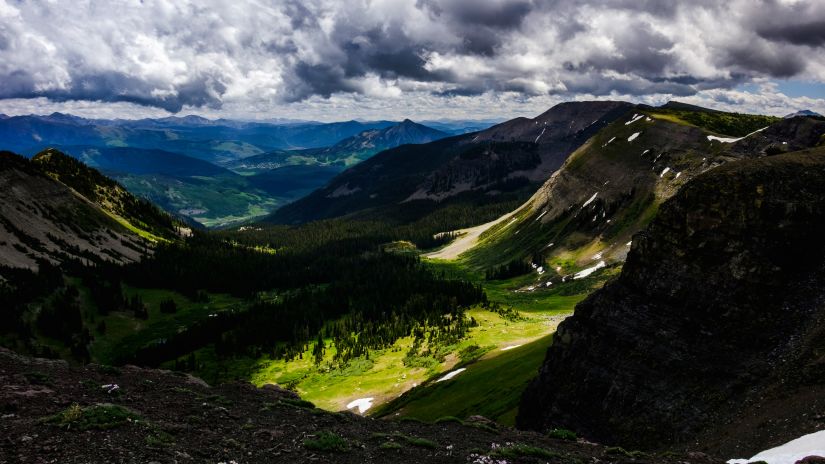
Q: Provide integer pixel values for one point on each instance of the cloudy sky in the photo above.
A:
(425, 59)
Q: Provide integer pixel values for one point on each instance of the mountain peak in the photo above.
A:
(803, 113)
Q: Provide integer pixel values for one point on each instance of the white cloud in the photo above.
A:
(382, 58)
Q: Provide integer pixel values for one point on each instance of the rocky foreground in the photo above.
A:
(51, 412)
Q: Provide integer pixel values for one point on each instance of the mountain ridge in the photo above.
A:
(673, 360)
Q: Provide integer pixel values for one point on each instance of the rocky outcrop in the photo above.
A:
(53, 412)
(714, 332)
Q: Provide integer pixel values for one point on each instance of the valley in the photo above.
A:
(413, 286)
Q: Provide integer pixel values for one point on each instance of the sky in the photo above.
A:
(392, 59)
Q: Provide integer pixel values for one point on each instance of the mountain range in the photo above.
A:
(197, 168)
(647, 278)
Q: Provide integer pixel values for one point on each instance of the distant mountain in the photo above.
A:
(458, 127)
(501, 164)
(214, 141)
(346, 152)
(127, 160)
(803, 113)
(55, 208)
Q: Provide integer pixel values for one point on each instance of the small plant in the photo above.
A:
(563, 434)
(159, 439)
(97, 417)
(298, 403)
(414, 420)
(449, 419)
(327, 442)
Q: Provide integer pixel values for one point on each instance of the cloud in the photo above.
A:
(214, 56)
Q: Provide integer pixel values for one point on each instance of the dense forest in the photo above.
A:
(335, 284)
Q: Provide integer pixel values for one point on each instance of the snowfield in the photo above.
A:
(807, 445)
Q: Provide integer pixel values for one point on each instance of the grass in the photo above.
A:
(491, 387)
(519, 450)
(563, 434)
(125, 333)
(327, 442)
(96, 417)
(384, 375)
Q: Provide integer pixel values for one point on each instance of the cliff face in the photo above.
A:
(719, 312)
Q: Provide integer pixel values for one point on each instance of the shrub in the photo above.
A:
(563, 434)
(327, 442)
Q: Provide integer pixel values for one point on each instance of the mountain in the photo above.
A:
(509, 158)
(213, 141)
(612, 186)
(127, 160)
(458, 127)
(346, 152)
(803, 113)
(712, 335)
(56, 209)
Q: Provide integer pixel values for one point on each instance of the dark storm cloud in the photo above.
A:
(116, 87)
(181, 54)
(809, 33)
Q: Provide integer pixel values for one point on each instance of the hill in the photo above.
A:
(712, 334)
(54, 208)
(497, 165)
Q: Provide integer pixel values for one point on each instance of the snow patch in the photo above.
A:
(542, 133)
(590, 200)
(452, 374)
(731, 140)
(542, 214)
(586, 272)
(363, 404)
(633, 137)
(664, 171)
(808, 445)
(635, 118)
(609, 141)
(507, 348)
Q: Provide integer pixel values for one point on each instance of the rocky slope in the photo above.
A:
(57, 209)
(713, 335)
(612, 186)
(50, 412)
(513, 156)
